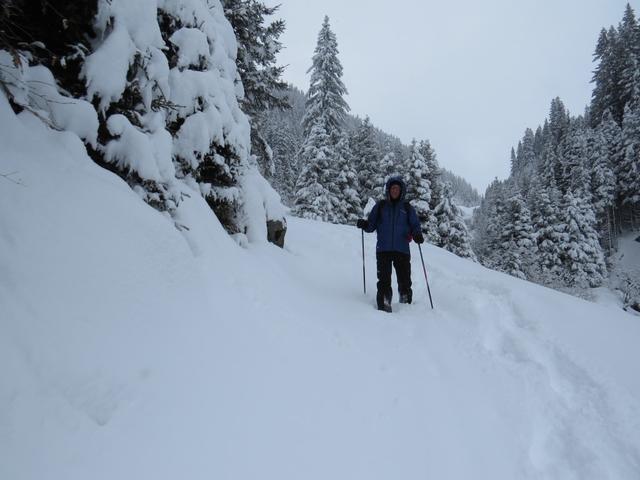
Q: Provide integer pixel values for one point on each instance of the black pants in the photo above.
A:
(402, 264)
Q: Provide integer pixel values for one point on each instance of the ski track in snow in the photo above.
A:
(571, 409)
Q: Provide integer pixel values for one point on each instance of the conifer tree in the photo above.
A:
(574, 173)
(347, 208)
(486, 222)
(603, 180)
(628, 169)
(549, 235)
(323, 125)
(583, 259)
(325, 98)
(387, 168)
(437, 186)
(284, 147)
(262, 85)
(419, 190)
(314, 199)
(452, 231)
(367, 159)
(516, 240)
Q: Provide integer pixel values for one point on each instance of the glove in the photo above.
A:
(361, 223)
(418, 238)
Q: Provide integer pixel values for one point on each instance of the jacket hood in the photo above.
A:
(398, 180)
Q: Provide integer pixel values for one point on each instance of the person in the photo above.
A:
(396, 223)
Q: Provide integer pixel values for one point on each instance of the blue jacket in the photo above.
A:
(394, 221)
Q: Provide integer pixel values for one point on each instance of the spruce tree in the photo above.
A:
(258, 46)
(574, 173)
(323, 123)
(628, 169)
(603, 180)
(437, 186)
(325, 98)
(452, 231)
(263, 87)
(314, 199)
(419, 190)
(387, 168)
(549, 234)
(367, 159)
(516, 239)
(347, 207)
(583, 259)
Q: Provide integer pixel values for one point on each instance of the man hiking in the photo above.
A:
(396, 222)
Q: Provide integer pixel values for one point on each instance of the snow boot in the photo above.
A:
(405, 298)
(385, 308)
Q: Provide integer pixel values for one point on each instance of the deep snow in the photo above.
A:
(130, 350)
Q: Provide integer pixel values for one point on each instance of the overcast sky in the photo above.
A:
(469, 75)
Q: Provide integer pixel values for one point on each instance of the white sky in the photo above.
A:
(468, 75)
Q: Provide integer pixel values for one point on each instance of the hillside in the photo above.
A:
(131, 350)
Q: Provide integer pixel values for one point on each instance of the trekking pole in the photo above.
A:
(425, 276)
(364, 281)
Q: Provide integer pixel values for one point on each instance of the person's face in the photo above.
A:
(394, 191)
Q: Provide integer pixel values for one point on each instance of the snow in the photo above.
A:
(105, 70)
(129, 349)
(467, 212)
(148, 153)
(192, 45)
(35, 88)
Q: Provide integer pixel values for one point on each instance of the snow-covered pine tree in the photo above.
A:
(284, 147)
(387, 168)
(574, 174)
(493, 218)
(314, 199)
(452, 231)
(558, 122)
(628, 167)
(485, 221)
(526, 161)
(583, 259)
(549, 235)
(323, 125)
(325, 98)
(436, 185)
(347, 208)
(162, 79)
(516, 239)
(628, 60)
(419, 190)
(367, 158)
(514, 161)
(282, 130)
(603, 180)
(258, 45)
(604, 76)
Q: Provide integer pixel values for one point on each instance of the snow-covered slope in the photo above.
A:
(129, 350)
